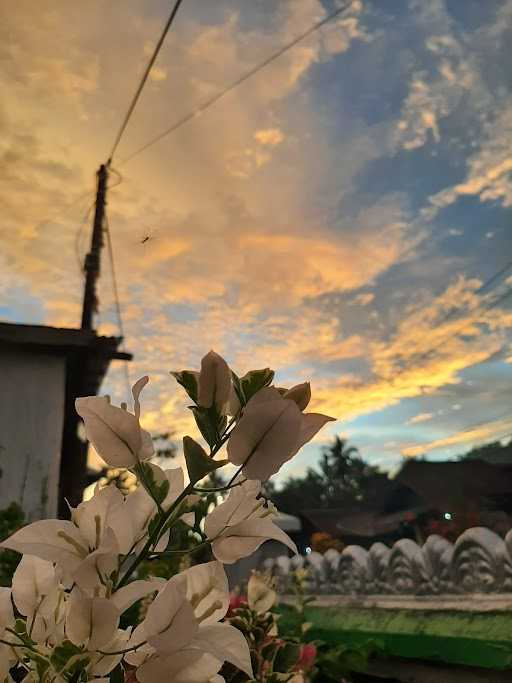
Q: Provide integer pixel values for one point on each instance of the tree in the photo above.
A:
(494, 453)
(343, 478)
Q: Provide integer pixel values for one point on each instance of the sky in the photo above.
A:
(343, 216)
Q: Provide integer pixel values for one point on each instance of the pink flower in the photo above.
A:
(236, 601)
(307, 656)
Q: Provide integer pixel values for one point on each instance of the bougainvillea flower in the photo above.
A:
(239, 525)
(114, 432)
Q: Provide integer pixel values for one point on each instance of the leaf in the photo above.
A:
(286, 657)
(188, 380)
(62, 653)
(206, 425)
(255, 380)
(157, 489)
(237, 386)
(117, 675)
(198, 462)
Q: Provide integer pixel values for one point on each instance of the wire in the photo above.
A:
(477, 309)
(145, 77)
(79, 235)
(114, 278)
(215, 98)
(117, 300)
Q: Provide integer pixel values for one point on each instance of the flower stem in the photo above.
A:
(154, 536)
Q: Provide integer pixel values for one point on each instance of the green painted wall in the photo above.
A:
(472, 639)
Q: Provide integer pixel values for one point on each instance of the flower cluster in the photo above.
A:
(64, 619)
(275, 658)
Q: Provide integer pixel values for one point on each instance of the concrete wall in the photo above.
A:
(32, 394)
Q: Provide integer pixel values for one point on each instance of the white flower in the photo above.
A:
(115, 433)
(91, 622)
(214, 383)
(37, 595)
(260, 596)
(271, 430)
(180, 638)
(6, 612)
(109, 524)
(238, 526)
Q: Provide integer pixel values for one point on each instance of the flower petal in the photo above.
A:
(127, 595)
(170, 623)
(265, 437)
(311, 424)
(90, 621)
(6, 611)
(230, 549)
(136, 389)
(239, 505)
(33, 580)
(259, 594)
(214, 382)
(207, 591)
(227, 643)
(54, 540)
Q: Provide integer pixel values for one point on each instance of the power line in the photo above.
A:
(145, 77)
(78, 236)
(116, 298)
(476, 310)
(215, 98)
(114, 278)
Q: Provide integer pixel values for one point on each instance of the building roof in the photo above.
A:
(458, 485)
(288, 523)
(59, 339)
(364, 523)
(83, 349)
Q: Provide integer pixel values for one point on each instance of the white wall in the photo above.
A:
(32, 394)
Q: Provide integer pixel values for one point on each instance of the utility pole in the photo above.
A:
(92, 260)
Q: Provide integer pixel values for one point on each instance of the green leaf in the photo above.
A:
(157, 489)
(206, 426)
(286, 657)
(255, 380)
(198, 463)
(237, 386)
(62, 653)
(188, 381)
(117, 675)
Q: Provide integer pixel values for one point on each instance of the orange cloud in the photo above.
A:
(421, 417)
(471, 436)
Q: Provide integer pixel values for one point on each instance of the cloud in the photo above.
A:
(428, 350)
(489, 169)
(269, 136)
(363, 299)
(264, 240)
(436, 91)
(468, 437)
(421, 417)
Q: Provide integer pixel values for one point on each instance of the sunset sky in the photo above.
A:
(335, 216)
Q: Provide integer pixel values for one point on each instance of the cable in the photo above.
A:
(79, 235)
(117, 300)
(144, 78)
(477, 309)
(114, 278)
(215, 98)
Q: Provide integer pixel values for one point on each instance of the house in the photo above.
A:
(464, 493)
(43, 369)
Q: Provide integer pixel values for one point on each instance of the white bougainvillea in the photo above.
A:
(63, 618)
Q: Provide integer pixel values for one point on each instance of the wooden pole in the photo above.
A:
(92, 260)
